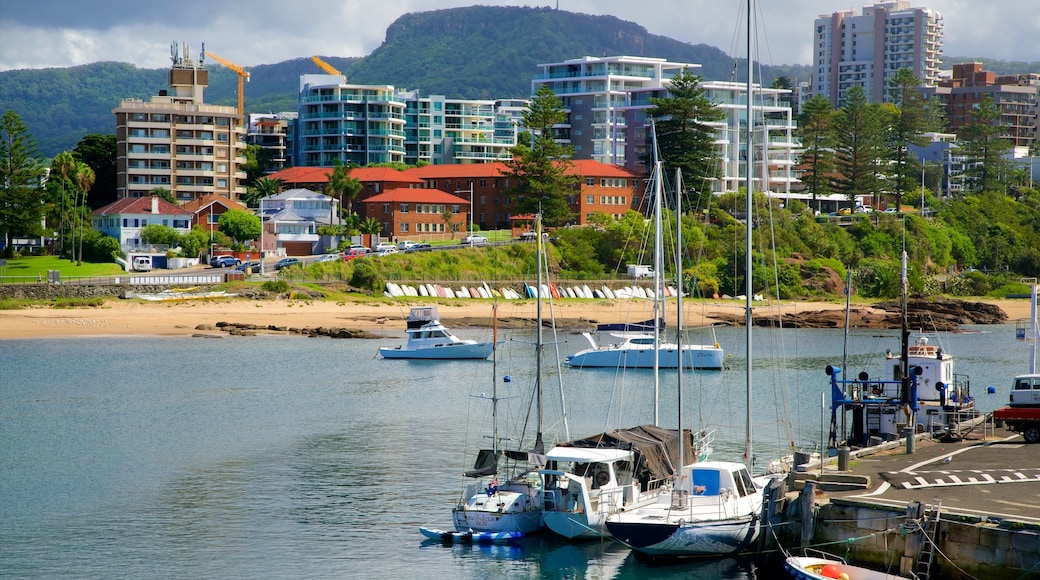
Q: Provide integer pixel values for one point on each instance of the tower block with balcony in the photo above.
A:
(177, 142)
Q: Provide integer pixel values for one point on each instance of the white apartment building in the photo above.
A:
(177, 142)
(597, 92)
(866, 50)
(443, 131)
(358, 124)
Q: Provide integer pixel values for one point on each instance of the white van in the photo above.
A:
(142, 263)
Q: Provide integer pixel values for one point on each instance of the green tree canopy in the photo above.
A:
(985, 147)
(21, 200)
(239, 225)
(859, 145)
(815, 133)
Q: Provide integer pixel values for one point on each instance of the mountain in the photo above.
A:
(477, 52)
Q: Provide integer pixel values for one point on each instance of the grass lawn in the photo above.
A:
(31, 266)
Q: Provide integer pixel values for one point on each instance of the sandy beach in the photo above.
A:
(135, 318)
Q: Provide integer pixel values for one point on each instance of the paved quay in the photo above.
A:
(996, 477)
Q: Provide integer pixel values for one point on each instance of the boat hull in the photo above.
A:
(695, 357)
(446, 352)
(469, 537)
(809, 568)
(687, 539)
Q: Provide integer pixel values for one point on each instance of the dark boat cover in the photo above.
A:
(656, 449)
(487, 462)
(644, 326)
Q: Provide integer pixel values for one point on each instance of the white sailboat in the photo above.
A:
(715, 506)
(645, 350)
(506, 495)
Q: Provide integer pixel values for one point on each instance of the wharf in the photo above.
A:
(988, 489)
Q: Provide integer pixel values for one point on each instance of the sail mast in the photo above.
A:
(679, 307)
(539, 446)
(748, 449)
(658, 266)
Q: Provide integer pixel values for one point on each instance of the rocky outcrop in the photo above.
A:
(940, 314)
(240, 329)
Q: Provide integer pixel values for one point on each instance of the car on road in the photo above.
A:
(328, 258)
(405, 244)
(474, 239)
(383, 246)
(419, 247)
(387, 250)
(224, 262)
(356, 251)
(286, 263)
(253, 267)
(891, 210)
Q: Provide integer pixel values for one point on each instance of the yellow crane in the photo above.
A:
(327, 67)
(242, 74)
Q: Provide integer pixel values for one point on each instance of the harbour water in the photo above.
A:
(281, 456)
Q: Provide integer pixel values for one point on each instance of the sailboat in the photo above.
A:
(618, 471)
(646, 350)
(715, 506)
(504, 501)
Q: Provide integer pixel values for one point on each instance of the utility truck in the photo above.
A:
(1023, 411)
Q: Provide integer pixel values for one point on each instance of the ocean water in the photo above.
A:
(282, 456)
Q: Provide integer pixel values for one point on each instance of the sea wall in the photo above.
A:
(968, 546)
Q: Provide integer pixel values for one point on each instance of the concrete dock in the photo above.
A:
(988, 489)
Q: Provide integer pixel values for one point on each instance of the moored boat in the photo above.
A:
(831, 568)
(429, 339)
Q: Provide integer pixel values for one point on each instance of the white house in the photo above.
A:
(291, 220)
(124, 219)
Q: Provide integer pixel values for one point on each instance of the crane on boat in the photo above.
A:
(242, 74)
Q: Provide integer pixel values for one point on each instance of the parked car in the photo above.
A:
(355, 251)
(891, 210)
(383, 246)
(420, 247)
(253, 267)
(474, 239)
(286, 262)
(387, 250)
(405, 244)
(328, 258)
(225, 262)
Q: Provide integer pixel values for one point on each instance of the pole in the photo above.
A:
(471, 213)
(261, 236)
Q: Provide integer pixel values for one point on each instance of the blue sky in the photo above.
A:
(59, 33)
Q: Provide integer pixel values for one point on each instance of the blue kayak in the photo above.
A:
(470, 537)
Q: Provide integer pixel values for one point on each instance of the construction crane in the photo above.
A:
(242, 74)
(327, 67)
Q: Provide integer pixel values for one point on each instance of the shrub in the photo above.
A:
(276, 286)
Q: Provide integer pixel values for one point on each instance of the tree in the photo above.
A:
(193, 242)
(815, 134)
(371, 226)
(911, 119)
(62, 166)
(449, 218)
(21, 206)
(84, 181)
(161, 235)
(240, 225)
(99, 152)
(684, 137)
(541, 170)
(858, 145)
(343, 187)
(985, 148)
(163, 193)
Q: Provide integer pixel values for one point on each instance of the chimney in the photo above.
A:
(155, 204)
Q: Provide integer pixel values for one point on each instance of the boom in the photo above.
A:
(242, 74)
(327, 67)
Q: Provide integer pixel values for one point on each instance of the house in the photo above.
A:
(291, 220)
(208, 209)
(124, 219)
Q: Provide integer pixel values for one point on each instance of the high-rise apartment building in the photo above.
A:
(177, 142)
(867, 49)
(273, 133)
(443, 131)
(596, 92)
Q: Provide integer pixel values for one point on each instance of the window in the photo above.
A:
(386, 208)
(404, 228)
(404, 208)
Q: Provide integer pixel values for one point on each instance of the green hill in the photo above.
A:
(474, 52)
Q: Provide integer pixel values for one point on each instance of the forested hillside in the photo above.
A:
(475, 52)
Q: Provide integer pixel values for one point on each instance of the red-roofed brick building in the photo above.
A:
(418, 214)
(208, 209)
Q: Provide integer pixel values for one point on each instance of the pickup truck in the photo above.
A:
(1023, 413)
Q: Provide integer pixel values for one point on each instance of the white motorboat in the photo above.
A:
(636, 350)
(429, 339)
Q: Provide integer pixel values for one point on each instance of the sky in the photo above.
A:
(61, 33)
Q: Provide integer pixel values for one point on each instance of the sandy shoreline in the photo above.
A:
(133, 318)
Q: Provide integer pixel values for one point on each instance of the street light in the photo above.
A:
(469, 232)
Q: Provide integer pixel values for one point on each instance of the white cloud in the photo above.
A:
(267, 31)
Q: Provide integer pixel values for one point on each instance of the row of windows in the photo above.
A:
(427, 228)
(189, 119)
(425, 208)
(139, 223)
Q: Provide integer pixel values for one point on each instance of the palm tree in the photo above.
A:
(264, 187)
(371, 226)
(63, 164)
(84, 181)
(342, 186)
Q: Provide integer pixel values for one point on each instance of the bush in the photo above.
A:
(276, 286)
(366, 275)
